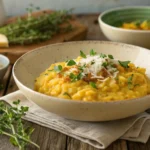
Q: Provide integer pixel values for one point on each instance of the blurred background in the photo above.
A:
(17, 7)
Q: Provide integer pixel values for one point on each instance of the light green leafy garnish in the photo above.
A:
(110, 56)
(105, 64)
(65, 93)
(124, 63)
(93, 85)
(92, 52)
(103, 55)
(129, 81)
(74, 77)
(82, 54)
(71, 63)
(58, 68)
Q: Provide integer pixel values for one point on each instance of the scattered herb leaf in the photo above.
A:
(105, 64)
(129, 81)
(58, 68)
(93, 62)
(67, 94)
(51, 70)
(11, 125)
(92, 52)
(93, 85)
(111, 56)
(82, 54)
(74, 77)
(124, 63)
(103, 55)
(71, 63)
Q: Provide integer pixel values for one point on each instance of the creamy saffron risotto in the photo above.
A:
(94, 77)
(137, 25)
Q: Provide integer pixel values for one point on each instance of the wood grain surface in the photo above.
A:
(49, 139)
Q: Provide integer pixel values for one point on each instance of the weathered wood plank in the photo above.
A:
(91, 21)
(138, 146)
(73, 144)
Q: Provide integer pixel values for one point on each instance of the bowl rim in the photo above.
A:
(8, 62)
(120, 29)
(68, 100)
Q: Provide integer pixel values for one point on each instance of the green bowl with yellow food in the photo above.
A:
(127, 24)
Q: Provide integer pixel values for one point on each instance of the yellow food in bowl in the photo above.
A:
(94, 77)
(145, 25)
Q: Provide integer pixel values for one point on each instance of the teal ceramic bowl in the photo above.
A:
(111, 20)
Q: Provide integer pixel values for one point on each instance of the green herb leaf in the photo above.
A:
(124, 63)
(67, 94)
(11, 124)
(82, 54)
(93, 62)
(93, 85)
(58, 68)
(103, 55)
(129, 81)
(105, 64)
(74, 77)
(71, 63)
(111, 56)
(51, 70)
(92, 52)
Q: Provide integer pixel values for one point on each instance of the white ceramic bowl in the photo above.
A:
(30, 65)
(4, 62)
(109, 20)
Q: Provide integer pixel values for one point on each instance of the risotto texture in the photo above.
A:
(137, 25)
(94, 77)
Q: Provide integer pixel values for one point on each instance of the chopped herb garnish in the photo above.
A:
(67, 94)
(81, 67)
(82, 54)
(74, 77)
(93, 62)
(71, 63)
(105, 64)
(111, 56)
(51, 70)
(124, 63)
(92, 52)
(58, 68)
(130, 86)
(103, 55)
(93, 85)
(46, 74)
(79, 76)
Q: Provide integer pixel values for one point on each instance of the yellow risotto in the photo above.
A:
(136, 25)
(94, 77)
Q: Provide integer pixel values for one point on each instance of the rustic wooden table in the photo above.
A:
(49, 139)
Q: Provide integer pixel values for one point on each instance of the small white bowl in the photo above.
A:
(110, 21)
(30, 65)
(4, 63)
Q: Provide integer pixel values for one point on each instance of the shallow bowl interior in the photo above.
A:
(30, 65)
(125, 14)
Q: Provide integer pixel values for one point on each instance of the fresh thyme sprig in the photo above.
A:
(35, 29)
(11, 125)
